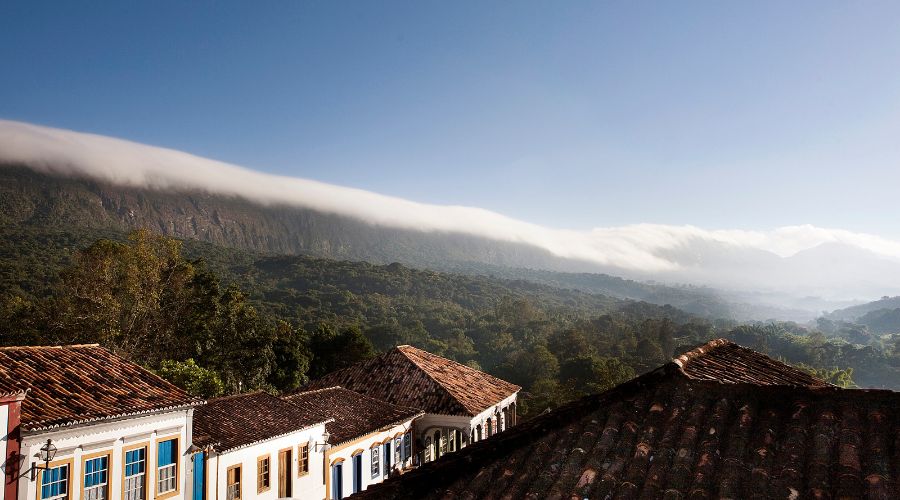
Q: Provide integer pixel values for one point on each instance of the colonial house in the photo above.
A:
(369, 439)
(92, 426)
(460, 404)
(259, 446)
(721, 421)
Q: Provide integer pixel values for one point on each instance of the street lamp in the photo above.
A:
(45, 454)
(325, 437)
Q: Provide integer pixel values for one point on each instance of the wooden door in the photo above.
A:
(284, 473)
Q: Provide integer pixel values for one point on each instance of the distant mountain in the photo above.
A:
(855, 312)
(33, 199)
(28, 197)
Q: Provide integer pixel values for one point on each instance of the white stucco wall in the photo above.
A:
(482, 417)
(76, 442)
(309, 486)
(345, 452)
(428, 424)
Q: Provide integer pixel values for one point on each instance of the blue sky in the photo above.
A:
(573, 115)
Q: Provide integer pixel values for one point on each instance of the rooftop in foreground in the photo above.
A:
(720, 421)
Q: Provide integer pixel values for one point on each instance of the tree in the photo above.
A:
(194, 379)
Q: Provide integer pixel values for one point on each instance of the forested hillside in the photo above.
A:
(251, 320)
(216, 319)
(84, 207)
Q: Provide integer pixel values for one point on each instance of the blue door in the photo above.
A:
(337, 481)
(199, 476)
(357, 473)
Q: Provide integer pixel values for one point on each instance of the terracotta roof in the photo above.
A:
(231, 422)
(670, 435)
(726, 362)
(354, 414)
(411, 377)
(67, 385)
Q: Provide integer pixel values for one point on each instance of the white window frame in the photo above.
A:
(375, 457)
(132, 493)
(66, 481)
(99, 491)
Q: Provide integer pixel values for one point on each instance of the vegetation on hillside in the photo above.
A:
(216, 320)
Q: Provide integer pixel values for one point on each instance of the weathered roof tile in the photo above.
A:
(411, 377)
(80, 383)
(764, 430)
(353, 414)
(235, 421)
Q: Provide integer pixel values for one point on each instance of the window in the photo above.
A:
(55, 483)
(136, 474)
(303, 460)
(438, 436)
(263, 474)
(478, 432)
(407, 446)
(96, 478)
(428, 449)
(357, 472)
(376, 462)
(387, 458)
(337, 481)
(167, 466)
(490, 428)
(233, 486)
(398, 449)
(452, 438)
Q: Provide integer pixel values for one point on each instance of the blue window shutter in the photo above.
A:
(166, 453)
(199, 476)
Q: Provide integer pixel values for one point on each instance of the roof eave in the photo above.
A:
(38, 427)
(270, 438)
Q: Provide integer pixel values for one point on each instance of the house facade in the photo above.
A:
(369, 439)
(259, 446)
(115, 429)
(460, 405)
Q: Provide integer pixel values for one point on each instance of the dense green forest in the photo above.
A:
(29, 199)
(218, 320)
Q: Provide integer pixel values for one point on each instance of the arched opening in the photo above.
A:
(490, 427)
(478, 432)
(438, 445)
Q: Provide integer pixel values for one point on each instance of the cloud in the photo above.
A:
(648, 248)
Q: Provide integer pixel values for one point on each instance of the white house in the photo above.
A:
(369, 439)
(94, 426)
(460, 404)
(259, 446)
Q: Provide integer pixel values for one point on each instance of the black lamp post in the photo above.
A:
(46, 454)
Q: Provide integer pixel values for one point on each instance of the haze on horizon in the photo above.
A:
(673, 141)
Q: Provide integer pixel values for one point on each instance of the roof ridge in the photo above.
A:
(240, 394)
(450, 390)
(300, 392)
(700, 351)
(67, 346)
(430, 376)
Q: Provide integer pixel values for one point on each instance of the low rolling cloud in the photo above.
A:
(685, 252)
